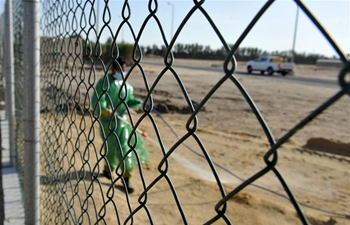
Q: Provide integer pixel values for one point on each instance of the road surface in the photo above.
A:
(302, 77)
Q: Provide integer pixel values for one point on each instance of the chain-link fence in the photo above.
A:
(19, 85)
(91, 137)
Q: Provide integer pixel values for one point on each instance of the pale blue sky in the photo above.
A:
(274, 31)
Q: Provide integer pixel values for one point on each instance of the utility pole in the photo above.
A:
(97, 18)
(172, 19)
(295, 33)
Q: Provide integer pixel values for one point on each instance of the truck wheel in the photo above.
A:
(249, 69)
(262, 72)
(284, 73)
(270, 71)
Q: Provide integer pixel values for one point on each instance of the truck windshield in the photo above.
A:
(262, 59)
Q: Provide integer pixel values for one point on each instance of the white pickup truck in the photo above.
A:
(270, 64)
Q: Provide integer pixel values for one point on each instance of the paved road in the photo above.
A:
(307, 80)
(304, 79)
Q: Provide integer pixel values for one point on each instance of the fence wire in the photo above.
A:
(19, 86)
(73, 190)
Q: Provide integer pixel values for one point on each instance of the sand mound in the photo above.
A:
(329, 145)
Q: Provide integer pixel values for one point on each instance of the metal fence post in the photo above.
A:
(9, 74)
(31, 65)
(3, 54)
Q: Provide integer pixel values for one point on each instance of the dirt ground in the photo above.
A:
(314, 162)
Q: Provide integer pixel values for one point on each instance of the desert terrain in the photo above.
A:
(183, 189)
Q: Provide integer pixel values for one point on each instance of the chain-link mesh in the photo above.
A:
(73, 190)
(19, 86)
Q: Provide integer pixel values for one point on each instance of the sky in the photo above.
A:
(273, 32)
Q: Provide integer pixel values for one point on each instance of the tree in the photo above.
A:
(197, 51)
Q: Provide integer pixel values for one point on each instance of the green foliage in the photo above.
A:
(196, 51)
(107, 51)
(126, 50)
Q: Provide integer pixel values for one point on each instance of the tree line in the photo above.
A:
(197, 51)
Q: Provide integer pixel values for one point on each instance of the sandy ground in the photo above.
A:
(314, 162)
